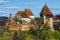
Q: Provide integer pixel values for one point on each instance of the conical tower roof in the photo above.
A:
(46, 11)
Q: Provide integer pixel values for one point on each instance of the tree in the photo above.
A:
(58, 16)
(22, 35)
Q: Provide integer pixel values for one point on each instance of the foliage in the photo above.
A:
(57, 26)
(45, 34)
(15, 36)
(33, 34)
(58, 16)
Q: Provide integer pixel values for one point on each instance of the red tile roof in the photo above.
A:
(46, 10)
(28, 12)
(22, 14)
(25, 14)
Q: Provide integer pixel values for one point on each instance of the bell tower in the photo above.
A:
(47, 16)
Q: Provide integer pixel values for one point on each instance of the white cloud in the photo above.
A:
(28, 3)
(4, 1)
(2, 11)
(10, 7)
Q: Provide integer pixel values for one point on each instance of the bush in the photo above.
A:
(15, 36)
(33, 34)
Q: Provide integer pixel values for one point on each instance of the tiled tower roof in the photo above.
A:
(46, 11)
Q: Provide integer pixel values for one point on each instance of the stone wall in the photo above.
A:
(20, 27)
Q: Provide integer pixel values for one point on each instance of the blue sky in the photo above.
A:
(12, 6)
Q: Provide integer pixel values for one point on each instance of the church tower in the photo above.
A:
(47, 16)
(46, 13)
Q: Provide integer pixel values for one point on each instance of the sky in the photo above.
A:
(8, 7)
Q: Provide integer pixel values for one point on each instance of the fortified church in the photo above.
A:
(24, 20)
